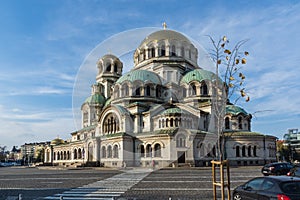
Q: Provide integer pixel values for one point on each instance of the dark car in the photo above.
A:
(278, 168)
(269, 187)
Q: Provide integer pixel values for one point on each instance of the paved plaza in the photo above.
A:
(122, 184)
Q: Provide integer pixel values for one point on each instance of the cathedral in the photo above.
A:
(158, 114)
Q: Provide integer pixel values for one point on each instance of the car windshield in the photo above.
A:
(291, 187)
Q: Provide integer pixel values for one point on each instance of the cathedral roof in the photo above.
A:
(235, 110)
(197, 75)
(140, 75)
(95, 99)
(164, 35)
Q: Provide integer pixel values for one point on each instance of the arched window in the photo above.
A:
(158, 91)
(148, 150)
(115, 68)
(85, 117)
(171, 122)
(167, 122)
(202, 147)
(144, 54)
(173, 50)
(108, 67)
(209, 149)
(116, 151)
(203, 89)
(103, 152)
(148, 90)
(244, 151)
(163, 123)
(237, 151)
(142, 151)
(54, 156)
(111, 124)
(138, 91)
(227, 123)
(157, 150)
(193, 89)
(182, 51)
(153, 52)
(163, 50)
(125, 90)
(240, 123)
(109, 151)
(75, 153)
(180, 142)
(249, 151)
(176, 122)
(254, 151)
(79, 154)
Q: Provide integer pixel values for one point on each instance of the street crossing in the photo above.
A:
(107, 189)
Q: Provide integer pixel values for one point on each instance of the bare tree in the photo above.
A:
(228, 62)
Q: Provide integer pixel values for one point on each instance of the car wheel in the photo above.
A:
(237, 196)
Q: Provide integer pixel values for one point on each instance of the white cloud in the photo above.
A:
(28, 126)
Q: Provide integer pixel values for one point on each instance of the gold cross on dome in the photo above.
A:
(164, 25)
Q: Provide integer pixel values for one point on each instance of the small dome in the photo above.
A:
(109, 64)
(109, 56)
(235, 110)
(165, 35)
(95, 99)
(165, 46)
(57, 141)
(140, 75)
(197, 75)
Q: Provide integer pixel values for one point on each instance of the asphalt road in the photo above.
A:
(123, 184)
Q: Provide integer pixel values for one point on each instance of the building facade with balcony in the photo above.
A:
(292, 143)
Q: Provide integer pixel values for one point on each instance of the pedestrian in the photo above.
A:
(153, 164)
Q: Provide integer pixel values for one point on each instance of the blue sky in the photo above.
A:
(43, 45)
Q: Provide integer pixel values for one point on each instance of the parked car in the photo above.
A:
(269, 187)
(278, 168)
(294, 172)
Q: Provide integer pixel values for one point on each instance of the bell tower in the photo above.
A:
(109, 71)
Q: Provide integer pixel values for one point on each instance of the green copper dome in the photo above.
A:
(140, 75)
(235, 110)
(95, 99)
(197, 75)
